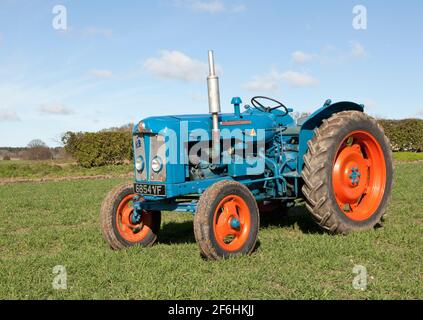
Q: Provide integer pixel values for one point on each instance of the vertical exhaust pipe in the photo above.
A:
(214, 106)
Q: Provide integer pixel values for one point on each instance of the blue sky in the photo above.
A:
(120, 61)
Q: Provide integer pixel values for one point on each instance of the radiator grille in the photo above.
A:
(156, 148)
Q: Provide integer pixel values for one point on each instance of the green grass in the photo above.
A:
(58, 169)
(56, 223)
(408, 156)
(54, 169)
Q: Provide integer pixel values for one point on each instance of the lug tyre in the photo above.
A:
(116, 224)
(348, 173)
(227, 221)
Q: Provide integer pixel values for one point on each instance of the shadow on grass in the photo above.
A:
(176, 233)
(285, 218)
(182, 232)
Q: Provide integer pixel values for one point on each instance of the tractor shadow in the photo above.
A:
(176, 233)
(297, 217)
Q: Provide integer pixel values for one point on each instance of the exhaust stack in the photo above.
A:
(214, 105)
(214, 93)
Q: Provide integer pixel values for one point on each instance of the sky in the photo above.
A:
(80, 65)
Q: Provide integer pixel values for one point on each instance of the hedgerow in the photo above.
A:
(115, 147)
(95, 149)
(405, 135)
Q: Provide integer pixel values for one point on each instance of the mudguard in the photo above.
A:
(315, 120)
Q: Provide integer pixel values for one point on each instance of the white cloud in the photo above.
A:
(420, 113)
(264, 83)
(96, 31)
(8, 116)
(177, 65)
(357, 50)
(102, 74)
(298, 79)
(331, 54)
(239, 8)
(271, 81)
(301, 57)
(371, 104)
(56, 109)
(210, 6)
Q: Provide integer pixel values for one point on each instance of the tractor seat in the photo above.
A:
(292, 131)
(295, 130)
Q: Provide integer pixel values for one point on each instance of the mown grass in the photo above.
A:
(56, 169)
(408, 156)
(56, 223)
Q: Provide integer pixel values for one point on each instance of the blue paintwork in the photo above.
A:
(235, 223)
(236, 101)
(286, 144)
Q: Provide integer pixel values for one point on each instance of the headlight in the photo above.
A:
(139, 164)
(156, 164)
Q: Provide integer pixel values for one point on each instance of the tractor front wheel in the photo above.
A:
(118, 225)
(348, 173)
(227, 221)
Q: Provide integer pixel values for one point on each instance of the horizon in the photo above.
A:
(78, 66)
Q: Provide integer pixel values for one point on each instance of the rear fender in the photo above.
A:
(315, 120)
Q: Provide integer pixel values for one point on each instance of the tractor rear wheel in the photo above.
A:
(227, 221)
(117, 225)
(348, 173)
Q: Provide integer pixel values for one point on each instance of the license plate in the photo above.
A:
(150, 189)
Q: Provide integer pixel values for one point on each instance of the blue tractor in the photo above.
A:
(223, 167)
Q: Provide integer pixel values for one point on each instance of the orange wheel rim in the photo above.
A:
(359, 175)
(232, 223)
(129, 231)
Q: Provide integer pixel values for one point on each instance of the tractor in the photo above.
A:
(225, 168)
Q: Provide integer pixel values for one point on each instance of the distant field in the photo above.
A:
(55, 169)
(56, 223)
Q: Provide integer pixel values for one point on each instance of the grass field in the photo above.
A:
(408, 156)
(56, 223)
(56, 169)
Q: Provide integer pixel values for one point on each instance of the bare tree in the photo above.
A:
(38, 150)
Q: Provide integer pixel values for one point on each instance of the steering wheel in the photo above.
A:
(259, 106)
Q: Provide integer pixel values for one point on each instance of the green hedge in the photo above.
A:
(115, 147)
(405, 135)
(100, 148)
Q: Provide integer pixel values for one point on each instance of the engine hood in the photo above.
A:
(250, 119)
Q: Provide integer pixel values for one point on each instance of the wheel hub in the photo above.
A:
(355, 176)
(235, 223)
(132, 225)
(136, 217)
(232, 223)
(350, 174)
(359, 175)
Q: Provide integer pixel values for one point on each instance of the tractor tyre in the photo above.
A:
(348, 173)
(116, 221)
(227, 221)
